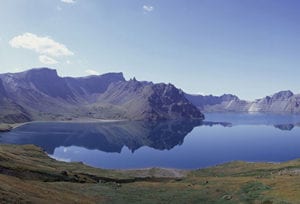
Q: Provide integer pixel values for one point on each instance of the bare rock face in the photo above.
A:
(148, 101)
(11, 111)
(282, 95)
(224, 103)
(40, 94)
(49, 83)
(281, 102)
(168, 102)
(86, 86)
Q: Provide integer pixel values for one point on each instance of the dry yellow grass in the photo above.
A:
(27, 174)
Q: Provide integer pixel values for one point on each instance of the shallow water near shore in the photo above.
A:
(171, 144)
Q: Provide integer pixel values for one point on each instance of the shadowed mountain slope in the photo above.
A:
(40, 94)
(152, 101)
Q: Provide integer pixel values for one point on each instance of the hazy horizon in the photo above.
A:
(247, 48)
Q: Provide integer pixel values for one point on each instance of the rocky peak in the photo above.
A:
(39, 74)
(168, 93)
(94, 84)
(134, 85)
(41, 69)
(282, 95)
(228, 97)
(116, 76)
(107, 96)
(47, 81)
(167, 99)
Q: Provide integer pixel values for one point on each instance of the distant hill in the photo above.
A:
(40, 94)
(281, 102)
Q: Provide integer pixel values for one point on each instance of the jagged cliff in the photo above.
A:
(152, 101)
(40, 94)
(281, 102)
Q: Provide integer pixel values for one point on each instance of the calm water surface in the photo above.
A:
(176, 144)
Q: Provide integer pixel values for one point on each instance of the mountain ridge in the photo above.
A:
(40, 94)
(279, 102)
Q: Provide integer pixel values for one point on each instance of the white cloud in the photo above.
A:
(68, 1)
(148, 8)
(47, 60)
(41, 45)
(91, 72)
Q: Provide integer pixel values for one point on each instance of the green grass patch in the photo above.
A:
(253, 191)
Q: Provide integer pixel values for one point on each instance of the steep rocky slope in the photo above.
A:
(152, 101)
(224, 103)
(40, 94)
(11, 111)
(281, 102)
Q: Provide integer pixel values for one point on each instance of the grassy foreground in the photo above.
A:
(28, 175)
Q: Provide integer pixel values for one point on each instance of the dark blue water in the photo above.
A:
(174, 144)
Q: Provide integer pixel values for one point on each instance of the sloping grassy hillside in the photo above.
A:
(27, 174)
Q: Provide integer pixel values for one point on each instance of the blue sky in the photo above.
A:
(249, 48)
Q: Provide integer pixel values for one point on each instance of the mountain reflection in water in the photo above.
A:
(108, 137)
(169, 144)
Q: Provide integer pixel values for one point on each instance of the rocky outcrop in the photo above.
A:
(144, 100)
(224, 103)
(87, 87)
(11, 112)
(281, 102)
(40, 94)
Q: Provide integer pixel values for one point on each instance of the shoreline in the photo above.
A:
(151, 168)
(29, 173)
(6, 127)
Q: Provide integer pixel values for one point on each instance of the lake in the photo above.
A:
(173, 144)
